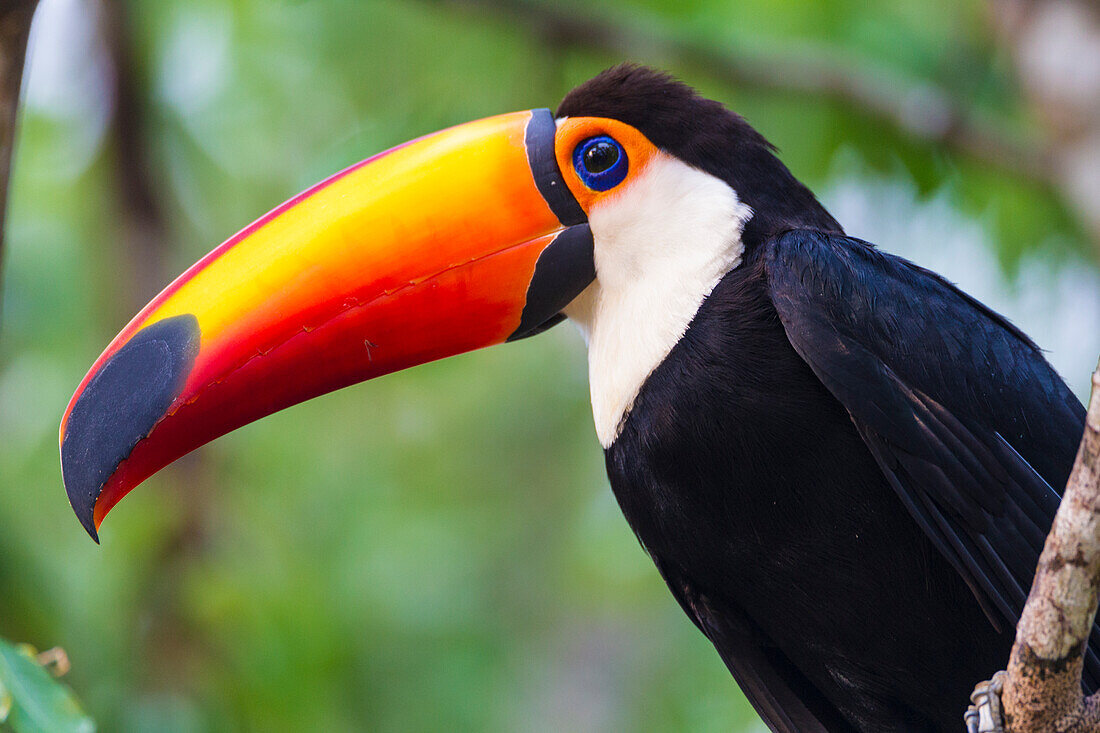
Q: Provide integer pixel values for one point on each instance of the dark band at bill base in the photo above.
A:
(539, 140)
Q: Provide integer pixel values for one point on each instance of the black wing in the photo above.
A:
(969, 423)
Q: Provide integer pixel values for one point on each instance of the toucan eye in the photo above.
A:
(600, 162)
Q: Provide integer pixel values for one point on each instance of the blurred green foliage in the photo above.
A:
(438, 549)
(31, 701)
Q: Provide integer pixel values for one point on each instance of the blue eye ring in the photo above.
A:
(600, 162)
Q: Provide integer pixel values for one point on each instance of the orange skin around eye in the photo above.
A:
(574, 130)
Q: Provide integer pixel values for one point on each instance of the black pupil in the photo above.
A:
(600, 157)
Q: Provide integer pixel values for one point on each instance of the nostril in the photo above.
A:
(121, 404)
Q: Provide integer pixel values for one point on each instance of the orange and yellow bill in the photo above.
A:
(458, 240)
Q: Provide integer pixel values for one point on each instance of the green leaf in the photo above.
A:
(5, 703)
(39, 703)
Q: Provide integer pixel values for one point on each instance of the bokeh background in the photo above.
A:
(439, 549)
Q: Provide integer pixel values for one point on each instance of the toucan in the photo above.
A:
(843, 467)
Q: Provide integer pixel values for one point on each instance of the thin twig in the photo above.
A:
(55, 660)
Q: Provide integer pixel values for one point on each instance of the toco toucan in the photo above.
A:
(843, 467)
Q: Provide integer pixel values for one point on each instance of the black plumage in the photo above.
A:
(846, 467)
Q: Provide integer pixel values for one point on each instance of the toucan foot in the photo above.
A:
(985, 715)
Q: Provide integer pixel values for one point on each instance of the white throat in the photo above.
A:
(661, 245)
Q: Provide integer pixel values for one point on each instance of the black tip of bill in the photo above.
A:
(120, 405)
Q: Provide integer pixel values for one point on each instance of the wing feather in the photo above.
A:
(967, 420)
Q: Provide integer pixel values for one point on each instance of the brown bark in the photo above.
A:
(1041, 689)
(15, 28)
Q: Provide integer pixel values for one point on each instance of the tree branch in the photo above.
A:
(1042, 690)
(1045, 38)
(15, 28)
(144, 243)
(145, 237)
(925, 111)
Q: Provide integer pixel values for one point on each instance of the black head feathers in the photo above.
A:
(670, 113)
(704, 134)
